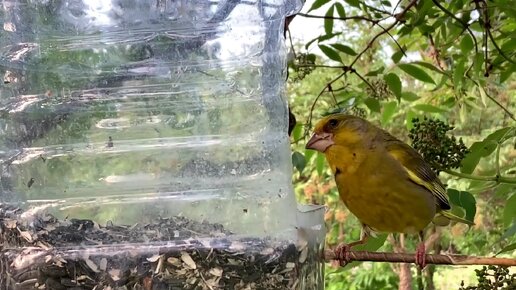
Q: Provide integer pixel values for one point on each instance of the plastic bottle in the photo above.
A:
(143, 145)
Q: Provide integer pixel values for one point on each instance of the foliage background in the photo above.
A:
(392, 61)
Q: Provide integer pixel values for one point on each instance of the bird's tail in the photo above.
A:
(444, 217)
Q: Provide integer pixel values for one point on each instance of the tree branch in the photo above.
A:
(398, 16)
(497, 179)
(430, 259)
(464, 24)
(357, 18)
(364, 80)
(500, 51)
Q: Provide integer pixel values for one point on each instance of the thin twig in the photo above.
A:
(327, 87)
(364, 80)
(378, 10)
(500, 51)
(509, 113)
(487, 26)
(399, 17)
(363, 256)
(357, 17)
(497, 179)
(437, 54)
(291, 43)
(344, 67)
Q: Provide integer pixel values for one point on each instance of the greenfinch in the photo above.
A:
(384, 182)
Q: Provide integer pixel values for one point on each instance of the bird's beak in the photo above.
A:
(320, 142)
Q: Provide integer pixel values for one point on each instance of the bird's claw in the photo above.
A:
(421, 255)
(342, 254)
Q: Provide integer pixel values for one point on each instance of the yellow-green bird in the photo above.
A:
(384, 182)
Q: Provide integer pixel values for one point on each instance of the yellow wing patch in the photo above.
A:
(437, 190)
(418, 170)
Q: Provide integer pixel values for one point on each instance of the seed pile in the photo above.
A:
(43, 252)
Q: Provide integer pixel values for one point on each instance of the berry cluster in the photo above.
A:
(380, 90)
(304, 65)
(438, 149)
(493, 277)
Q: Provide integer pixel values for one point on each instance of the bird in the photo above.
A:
(383, 181)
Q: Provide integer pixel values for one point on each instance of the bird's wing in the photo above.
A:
(417, 169)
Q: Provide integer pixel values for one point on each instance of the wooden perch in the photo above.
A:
(430, 259)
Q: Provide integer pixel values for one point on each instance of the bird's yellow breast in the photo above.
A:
(376, 189)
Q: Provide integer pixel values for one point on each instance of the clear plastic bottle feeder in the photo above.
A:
(144, 146)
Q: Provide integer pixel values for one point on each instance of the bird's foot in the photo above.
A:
(421, 255)
(342, 254)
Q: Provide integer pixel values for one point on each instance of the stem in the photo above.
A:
(430, 259)
(497, 179)
(344, 67)
(497, 164)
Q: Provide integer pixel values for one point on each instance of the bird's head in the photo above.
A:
(338, 129)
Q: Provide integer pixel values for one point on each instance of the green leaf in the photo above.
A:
(483, 95)
(394, 83)
(409, 96)
(317, 4)
(298, 160)
(328, 21)
(458, 74)
(502, 135)
(372, 244)
(428, 66)
(408, 119)
(466, 44)
(441, 83)
(509, 45)
(320, 163)
(416, 72)
(505, 74)
(386, 3)
(329, 52)
(476, 152)
(511, 231)
(309, 154)
(375, 72)
(388, 111)
(478, 64)
(373, 104)
(297, 131)
(508, 248)
(429, 108)
(503, 189)
(465, 200)
(509, 211)
(321, 38)
(344, 48)
(396, 57)
(354, 3)
(340, 10)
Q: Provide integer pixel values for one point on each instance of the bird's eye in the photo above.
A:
(333, 123)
